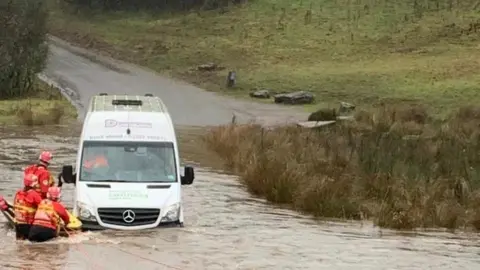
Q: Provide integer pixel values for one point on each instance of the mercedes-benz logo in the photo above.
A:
(128, 216)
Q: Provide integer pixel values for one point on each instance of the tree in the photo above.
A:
(23, 47)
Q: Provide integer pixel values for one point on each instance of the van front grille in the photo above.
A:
(128, 216)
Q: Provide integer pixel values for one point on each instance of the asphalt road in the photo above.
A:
(81, 74)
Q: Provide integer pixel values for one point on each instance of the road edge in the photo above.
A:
(65, 91)
(295, 115)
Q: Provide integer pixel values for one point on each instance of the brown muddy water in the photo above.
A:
(225, 228)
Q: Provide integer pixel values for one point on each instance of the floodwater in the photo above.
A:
(225, 228)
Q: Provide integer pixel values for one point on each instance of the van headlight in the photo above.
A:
(172, 214)
(85, 213)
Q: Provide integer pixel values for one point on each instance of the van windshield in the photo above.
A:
(128, 162)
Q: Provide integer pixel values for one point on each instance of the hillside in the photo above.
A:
(361, 51)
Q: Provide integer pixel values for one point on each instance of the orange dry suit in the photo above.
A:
(98, 161)
(44, 178)
(49, 213)
(25, 205)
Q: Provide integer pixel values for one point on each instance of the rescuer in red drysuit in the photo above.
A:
(40, 170)
(46, 224)
(25, 205)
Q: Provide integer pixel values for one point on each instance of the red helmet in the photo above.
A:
(45, 156)
(30, 180)
(54, 193)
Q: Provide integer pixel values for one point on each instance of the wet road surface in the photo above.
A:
(225, 228)
(83, 74)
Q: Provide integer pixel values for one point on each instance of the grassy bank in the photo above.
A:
(45, 106)
(354, 51)
(393, 166)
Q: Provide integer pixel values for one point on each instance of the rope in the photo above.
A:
(147, 259)
(90, 258)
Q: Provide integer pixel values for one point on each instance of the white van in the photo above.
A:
(127, 174)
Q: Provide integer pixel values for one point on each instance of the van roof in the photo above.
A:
(126, 103)
(143, 126)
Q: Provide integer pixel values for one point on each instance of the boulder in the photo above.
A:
(346, 108)
(231, 79)
(260, 94)
(207, 67)
(295, 98)
(323, 115)
(316, 124)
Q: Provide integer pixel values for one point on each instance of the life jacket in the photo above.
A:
(46, 216)
(24, 211)
(36, 170)
(99, 161)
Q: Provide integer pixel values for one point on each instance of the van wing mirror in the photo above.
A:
(188, 175)
(67, 174)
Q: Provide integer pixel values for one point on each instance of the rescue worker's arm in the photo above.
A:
(62, 212)
(33, 198)
(44, 179)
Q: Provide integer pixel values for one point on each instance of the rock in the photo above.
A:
(300, 97)
(260, 94)
(231, 79)
(315, 124)
(346, 107)
(207, 67)
(323, 115)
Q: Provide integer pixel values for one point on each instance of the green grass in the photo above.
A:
(360, 51)
(45, 107)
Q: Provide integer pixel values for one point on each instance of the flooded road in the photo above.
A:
(225, 228)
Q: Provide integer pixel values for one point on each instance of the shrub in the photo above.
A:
(397, 166)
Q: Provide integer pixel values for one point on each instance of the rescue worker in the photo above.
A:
(40, 170)
(25, 205)
(46, 223)
(95, 167)
(95, 161)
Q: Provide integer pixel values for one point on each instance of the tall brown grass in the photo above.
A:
(27, 115)
(395, 166)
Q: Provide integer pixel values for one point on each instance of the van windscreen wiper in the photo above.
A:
(112, 181)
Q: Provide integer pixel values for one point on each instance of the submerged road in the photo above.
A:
(225, 228)
(83, 74)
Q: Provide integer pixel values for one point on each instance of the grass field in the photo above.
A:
(47, 106)
(359, 51)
